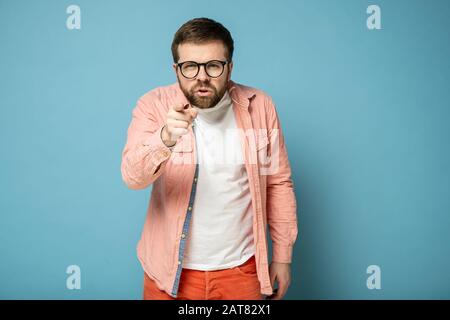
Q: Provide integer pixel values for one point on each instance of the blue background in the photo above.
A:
(365, 115)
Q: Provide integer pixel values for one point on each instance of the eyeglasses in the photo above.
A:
(213, 68)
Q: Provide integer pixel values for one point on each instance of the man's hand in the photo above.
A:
(280, 272)
(178, 120)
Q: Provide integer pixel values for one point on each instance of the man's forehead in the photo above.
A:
(202, 52)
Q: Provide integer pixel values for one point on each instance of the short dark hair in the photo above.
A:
(202, 30)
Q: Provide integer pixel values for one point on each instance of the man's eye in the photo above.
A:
(190, 66)
(214, 66)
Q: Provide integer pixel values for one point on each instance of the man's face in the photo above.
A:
(216, 87)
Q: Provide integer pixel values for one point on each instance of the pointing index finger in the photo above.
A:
(188, 109)
(179, 107)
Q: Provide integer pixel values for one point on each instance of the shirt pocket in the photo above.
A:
(177, 166)
(182, 151)
(262, 143)
(262, 146)
(183, 145)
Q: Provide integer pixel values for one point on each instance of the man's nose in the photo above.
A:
(202, 75)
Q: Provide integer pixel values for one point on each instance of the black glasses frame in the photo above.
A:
(180, 65)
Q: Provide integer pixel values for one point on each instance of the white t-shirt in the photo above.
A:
(221, 230)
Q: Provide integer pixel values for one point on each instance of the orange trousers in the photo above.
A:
(237, 283)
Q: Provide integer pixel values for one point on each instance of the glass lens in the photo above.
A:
(214, 68)
(189, 69)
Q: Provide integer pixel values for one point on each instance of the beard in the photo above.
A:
(203, 102)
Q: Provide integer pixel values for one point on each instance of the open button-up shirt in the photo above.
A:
(173, 172)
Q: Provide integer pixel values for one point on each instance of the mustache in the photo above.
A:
(204, 86)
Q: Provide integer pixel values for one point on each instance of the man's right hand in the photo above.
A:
(178, 120)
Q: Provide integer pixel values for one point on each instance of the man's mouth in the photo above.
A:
(203, 92)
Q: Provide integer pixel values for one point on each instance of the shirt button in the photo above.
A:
(195, 179)
(190, 208)
(183, 235)
(179, 262)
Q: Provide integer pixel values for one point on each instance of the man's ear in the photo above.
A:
(230, 68)
(174, 67)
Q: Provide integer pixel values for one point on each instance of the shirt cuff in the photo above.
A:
(160, 135)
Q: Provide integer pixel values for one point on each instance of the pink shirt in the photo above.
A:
(147, 160)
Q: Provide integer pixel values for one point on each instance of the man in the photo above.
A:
(215, 154)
